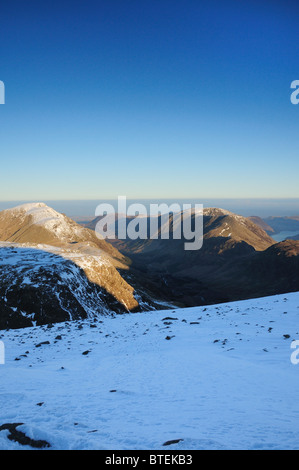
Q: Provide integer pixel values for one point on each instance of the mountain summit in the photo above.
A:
(38, 223)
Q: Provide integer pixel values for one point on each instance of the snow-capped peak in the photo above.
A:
(42, 215)
(39, 211)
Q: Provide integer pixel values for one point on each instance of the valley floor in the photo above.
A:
(224, 379)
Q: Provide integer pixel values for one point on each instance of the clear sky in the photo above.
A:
(148, 99)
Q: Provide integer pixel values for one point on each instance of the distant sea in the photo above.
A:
(246, 207)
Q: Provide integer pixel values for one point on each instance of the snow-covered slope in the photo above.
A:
(217, 377)
(41, 284)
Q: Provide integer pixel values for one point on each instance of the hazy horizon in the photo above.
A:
(261, 207)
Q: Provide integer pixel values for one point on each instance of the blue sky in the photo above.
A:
(148, 99)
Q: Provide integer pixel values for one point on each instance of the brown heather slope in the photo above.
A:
(220, 223)
(262, 224)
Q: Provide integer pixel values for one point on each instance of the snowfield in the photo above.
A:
(216, 377)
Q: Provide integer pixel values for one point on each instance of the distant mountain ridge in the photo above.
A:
(237, 261)
(217, 223)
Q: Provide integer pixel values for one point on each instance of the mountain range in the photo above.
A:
(54, 269)
(238, 260)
